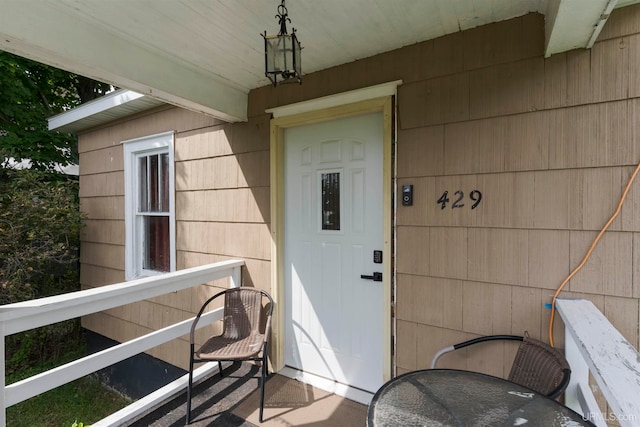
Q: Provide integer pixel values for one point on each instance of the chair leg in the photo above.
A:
(265, 372)
(220, 368)
(262, 394)
(189, 386)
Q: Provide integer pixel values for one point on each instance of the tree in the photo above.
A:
(30, 92)
(40, 222)
(40, 218)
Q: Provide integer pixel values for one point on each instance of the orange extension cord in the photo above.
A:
(588, 254)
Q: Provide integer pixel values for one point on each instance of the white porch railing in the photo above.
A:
(32, 314)
(593, 345)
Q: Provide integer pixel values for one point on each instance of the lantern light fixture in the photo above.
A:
(282, 52)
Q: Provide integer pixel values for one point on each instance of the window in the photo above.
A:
(149, 205)
(330, 200)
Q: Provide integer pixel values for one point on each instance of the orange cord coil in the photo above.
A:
(588, 254)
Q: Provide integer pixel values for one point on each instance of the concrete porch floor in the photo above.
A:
(233, 401)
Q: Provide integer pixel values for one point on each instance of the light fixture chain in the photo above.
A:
(283, 18)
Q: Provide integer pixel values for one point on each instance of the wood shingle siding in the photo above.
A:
(550, 143)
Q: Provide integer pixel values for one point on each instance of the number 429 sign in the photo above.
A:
(459, 199)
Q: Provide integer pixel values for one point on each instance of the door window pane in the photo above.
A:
(331, 201)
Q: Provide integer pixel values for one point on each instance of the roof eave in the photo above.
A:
(115, 105)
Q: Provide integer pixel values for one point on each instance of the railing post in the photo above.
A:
(579, 373)
(3, 407)
(595, 348)
(578, 395)
(236, 277)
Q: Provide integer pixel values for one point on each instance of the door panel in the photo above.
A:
(333, 223)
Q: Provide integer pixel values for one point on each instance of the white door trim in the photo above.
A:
(278, 125)
(330, 101)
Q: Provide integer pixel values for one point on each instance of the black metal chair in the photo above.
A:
(240, 339)
(536, 366)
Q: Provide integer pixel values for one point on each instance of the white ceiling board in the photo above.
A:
(206, 55)
(57, 38)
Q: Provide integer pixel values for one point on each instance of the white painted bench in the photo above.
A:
(593, 345)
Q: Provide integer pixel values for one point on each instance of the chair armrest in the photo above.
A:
(440, 353)
(267, 328)
(197, 318)
(566, 377)
(472, 342)
(488, 338)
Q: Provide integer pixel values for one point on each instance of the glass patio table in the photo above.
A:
(448, 397)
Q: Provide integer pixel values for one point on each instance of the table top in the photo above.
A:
(448, 397)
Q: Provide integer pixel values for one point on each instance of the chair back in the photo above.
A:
(242, 310)
(541, 368)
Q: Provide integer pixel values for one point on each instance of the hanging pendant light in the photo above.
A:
(282, 52)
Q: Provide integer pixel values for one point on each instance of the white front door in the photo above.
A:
(333, 223)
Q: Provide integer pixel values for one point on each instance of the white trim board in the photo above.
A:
(96, 106)
(357, 95)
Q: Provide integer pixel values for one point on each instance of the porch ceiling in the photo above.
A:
(206, 55)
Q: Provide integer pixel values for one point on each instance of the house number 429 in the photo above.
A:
(457, 201)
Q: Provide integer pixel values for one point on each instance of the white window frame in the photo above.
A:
(134, 148)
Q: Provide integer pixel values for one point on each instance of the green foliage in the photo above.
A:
(31, 92)
(85, 399)
(40, 222)
(39, 346)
